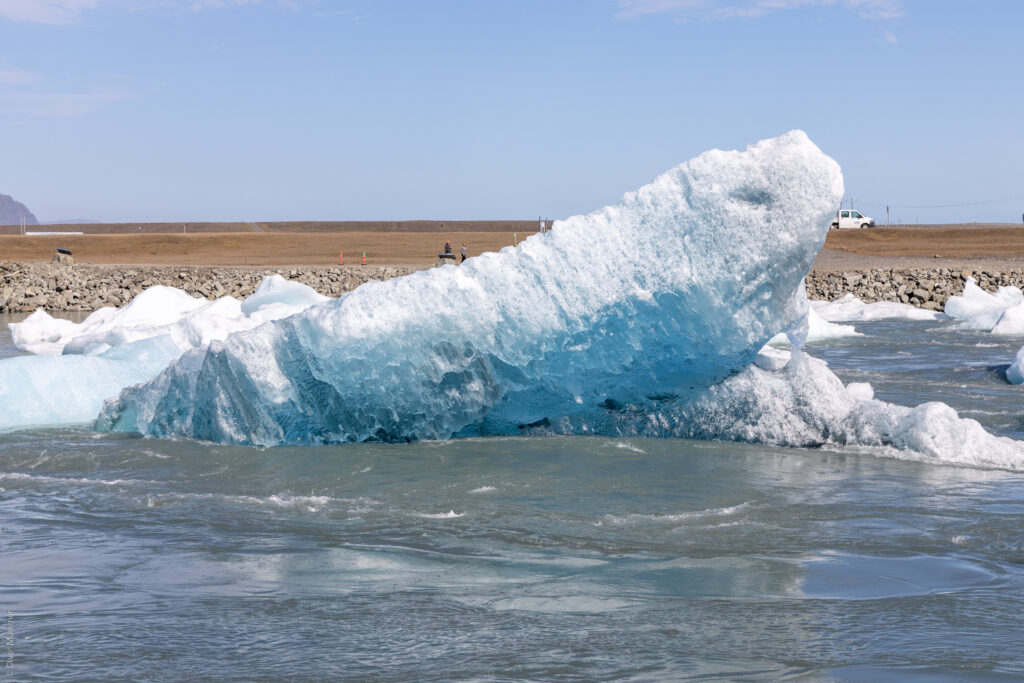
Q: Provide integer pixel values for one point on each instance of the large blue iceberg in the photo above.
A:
(651, 300)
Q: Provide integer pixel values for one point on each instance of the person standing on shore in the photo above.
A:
(463, 252)
(447, 247)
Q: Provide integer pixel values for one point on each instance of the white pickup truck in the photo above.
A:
(850, 218)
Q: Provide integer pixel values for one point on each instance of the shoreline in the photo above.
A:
(66, 286)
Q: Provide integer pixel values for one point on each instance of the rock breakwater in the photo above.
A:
(67, 286)
(64, 285)
(922, 287)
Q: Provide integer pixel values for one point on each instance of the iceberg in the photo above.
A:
(78, 366)
(648, 317)
(657, 297)
(851, 309)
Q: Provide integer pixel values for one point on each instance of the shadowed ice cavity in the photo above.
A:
(654, 298)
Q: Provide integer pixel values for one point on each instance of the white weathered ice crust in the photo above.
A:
(660, 295)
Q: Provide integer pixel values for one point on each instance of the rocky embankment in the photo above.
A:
(922, 287)
(67, 286)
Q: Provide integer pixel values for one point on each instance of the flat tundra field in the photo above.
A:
(417, 243)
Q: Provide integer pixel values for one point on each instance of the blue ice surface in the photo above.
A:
(659, 296)
(70, 389)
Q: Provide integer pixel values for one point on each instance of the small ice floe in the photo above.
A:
(999, 313)
(818, 329)
(851, 309)
(1015, 373)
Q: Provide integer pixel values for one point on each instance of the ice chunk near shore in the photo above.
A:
(79, 365)
(159, 310)
(817, 330)
(665, 293)
(805, 405)
(999, 313)
(1015, 373)
(851, 309)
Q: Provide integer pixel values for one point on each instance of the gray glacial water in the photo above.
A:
(554, 558)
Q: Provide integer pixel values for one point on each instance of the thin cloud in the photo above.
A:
(63, 12)
(11, 76)
(57, 105)
(715, 10)
(55, 12)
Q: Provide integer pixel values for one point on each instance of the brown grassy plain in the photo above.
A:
(418, 242)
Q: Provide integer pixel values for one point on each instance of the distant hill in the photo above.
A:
(12, 211)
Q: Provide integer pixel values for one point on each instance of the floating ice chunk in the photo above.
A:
(118, 347)
(40, 333)
(277, 290)
(805, 404)
(665, 293)
(976, 309)
(851, 309)
(140, 318)
(771, 358)
(191, 321)
(1015, 373)
(817, 330)
(1011, 322)
(63, 390)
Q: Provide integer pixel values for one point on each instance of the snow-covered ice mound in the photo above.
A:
(803, 403)
(117, 347)
(851, 309)
(814, 328)
(999, 313)
(663, 294)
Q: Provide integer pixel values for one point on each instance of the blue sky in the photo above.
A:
(374, 109)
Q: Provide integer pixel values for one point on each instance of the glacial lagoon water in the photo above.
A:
(545, 558)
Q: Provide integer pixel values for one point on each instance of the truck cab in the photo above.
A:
(851, 218)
